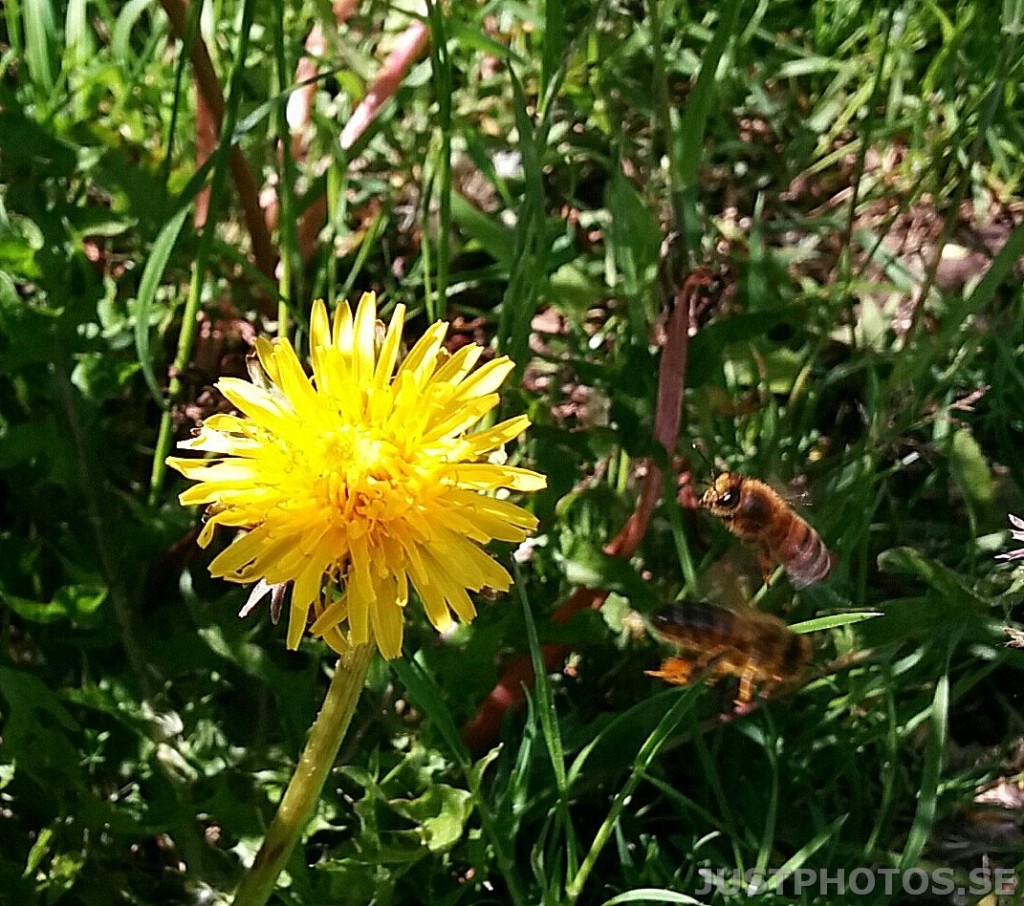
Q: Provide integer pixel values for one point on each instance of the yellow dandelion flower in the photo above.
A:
(362, 481)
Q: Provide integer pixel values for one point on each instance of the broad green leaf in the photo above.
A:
(907, 561)
(971, 471)
(20, 242)
(634, 235)
(100, 377)
(480, 766)
(37, 722)
(71, 602)
(489, 233)
(591, 567)
(441, 814)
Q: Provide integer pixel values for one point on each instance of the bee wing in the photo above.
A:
(732, 580)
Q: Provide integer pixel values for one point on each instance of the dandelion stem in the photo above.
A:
(299, 800)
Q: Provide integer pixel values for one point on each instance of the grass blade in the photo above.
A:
(924, 819)
(648, 751)
(549, 727)
(148, 286)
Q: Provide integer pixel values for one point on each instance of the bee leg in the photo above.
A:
(676, 670)
(714, 664)
(764, 559)
(746, 690)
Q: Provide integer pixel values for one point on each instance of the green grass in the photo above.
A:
(572, 161)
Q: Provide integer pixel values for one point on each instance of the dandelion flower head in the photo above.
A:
(364, 480)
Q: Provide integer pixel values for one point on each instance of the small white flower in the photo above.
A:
(1017, 536)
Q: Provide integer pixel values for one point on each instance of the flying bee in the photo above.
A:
(756, 647)
(755, 514)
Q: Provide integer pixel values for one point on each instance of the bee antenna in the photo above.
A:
(703, 457)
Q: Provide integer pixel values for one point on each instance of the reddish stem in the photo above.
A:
(212, 97)
(409, 46)
(510, 691)
(387, 81)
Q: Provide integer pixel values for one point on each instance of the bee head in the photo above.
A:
(722, 497)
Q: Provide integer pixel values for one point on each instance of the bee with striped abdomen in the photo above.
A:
(756, 647)
(755, 514)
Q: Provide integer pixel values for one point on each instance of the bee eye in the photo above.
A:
(729, 499)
